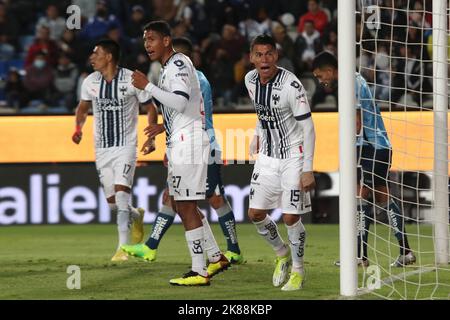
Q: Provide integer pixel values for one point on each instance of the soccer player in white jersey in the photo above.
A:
(283, 173)
(179, 97)
(115, 105)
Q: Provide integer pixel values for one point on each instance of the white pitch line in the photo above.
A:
(391, 279)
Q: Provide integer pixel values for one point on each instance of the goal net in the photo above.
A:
(401, 53)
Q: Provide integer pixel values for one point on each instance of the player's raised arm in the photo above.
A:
(302, 113)
(176, 100)
(81, 114)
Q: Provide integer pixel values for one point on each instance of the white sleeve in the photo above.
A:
(85, 95)
(143, 96)
(179, 75)
(302, 113)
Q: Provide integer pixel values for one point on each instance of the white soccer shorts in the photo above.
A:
(115, 166)
(187, 170)
(275, 183)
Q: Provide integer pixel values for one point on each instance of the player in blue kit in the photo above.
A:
(374, 153)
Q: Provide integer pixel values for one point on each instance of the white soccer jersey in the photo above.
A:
(179, 76)
(279, 105)
(115, 107)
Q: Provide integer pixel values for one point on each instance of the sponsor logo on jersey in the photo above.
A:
(178, 63)
(108, 104)
(264, 117)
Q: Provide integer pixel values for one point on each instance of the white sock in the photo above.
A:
(297, 236)
(123, 217)
(269, 230)
(195, 240)
(211, 247)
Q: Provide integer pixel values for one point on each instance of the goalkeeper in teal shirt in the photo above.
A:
(374, 156)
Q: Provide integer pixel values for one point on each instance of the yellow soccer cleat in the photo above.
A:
(219, 266)
(282, 265)
(295, 282)
(137, 228)
(234, 258)
(119, 256)
(190, 279)
(140, 250)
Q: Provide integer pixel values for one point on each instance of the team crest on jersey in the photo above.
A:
(276, 99)
(123, 89)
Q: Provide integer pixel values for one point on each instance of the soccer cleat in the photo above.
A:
(140, 251)
(137, 228)
(295, 282)
(404, 259)
(282, 265)
(219, 266)
(360, 262)
(190, 279)
(234, 258)
(119, 256)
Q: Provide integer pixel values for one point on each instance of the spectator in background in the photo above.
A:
(249, 28)
(43, 43)
(193, 16)
(38, 80)
(241, 68)
(283, 61)
(53, 21)
(99, 25)
(70, 45)
(133, 29)
(315, 14)
(164, 10)
(116, 35)
(232, 43)
(14, 90)
(65, 81)
(222, 78)
(280, 36)
(307, 45)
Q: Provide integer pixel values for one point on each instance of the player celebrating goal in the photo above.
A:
(179, 97)
(374, 154)
(214, 193)
(283, 173)
(115, 103)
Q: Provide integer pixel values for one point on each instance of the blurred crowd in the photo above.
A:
(42, 63)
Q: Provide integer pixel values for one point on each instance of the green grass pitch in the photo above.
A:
(34, 261)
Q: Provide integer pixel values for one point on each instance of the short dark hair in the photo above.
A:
(184, 43)
(111, 47)
(160, 26)
(324, 59)
(263, 39)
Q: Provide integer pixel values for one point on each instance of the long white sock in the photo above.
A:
(211, 247)
(297, 236)
(195, 240)
(123, 217)
(269, 230)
